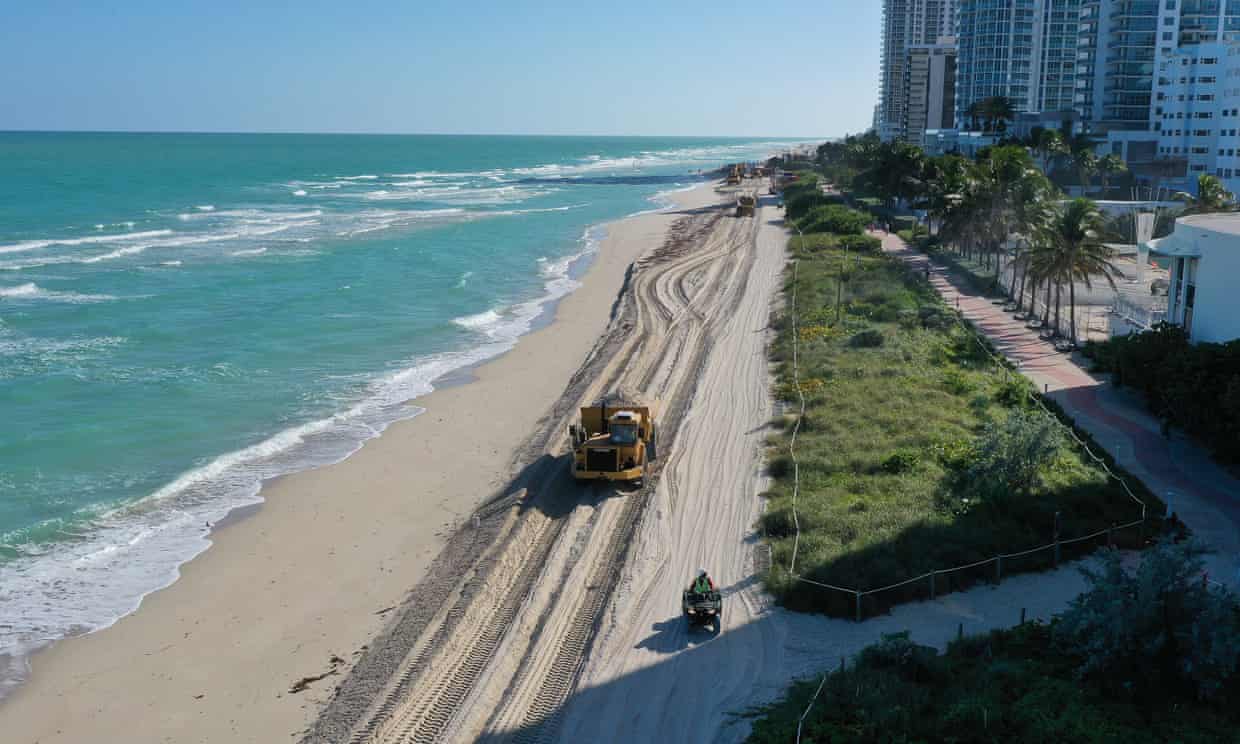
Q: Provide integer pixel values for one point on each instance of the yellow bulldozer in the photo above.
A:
(612, 443)
(745, 204)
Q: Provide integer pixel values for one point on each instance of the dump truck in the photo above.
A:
(745, 204)
(612, 442)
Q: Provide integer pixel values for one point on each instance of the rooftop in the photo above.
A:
(1224, 222)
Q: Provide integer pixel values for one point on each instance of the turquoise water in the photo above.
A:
(182, 316)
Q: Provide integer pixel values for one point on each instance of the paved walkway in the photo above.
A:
(1205, 496)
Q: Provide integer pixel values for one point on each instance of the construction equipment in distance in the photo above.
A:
(612, 443)
(745, 204)
(734, 177)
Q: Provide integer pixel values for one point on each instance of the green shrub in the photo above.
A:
(958, 382)
(1139, 633)
(833, 218)
(868, 339)
(901, 462)
(860, 243)
(1195, 386)
(1011, 456)
(814, 243)
(1014, 685)
(796, 207)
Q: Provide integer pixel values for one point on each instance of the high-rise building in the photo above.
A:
(996, 54)
(931, 93)
(1198, 99)
(1121, 43)
(1056, 47)
(906, 23)
(1022, 50)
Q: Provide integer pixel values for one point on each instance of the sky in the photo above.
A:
(623, 67)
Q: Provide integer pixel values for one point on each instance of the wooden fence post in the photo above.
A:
(932, 585)
(998, 569)
(1022, 616)
(858, 606)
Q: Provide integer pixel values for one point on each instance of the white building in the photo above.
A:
(1120, 44)
(1205, 266)
(1198, 105)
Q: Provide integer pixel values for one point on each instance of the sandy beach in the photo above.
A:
(297, 589)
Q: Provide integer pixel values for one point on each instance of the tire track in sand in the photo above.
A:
(422, 696)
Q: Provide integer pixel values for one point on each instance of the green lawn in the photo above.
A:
(889, 431)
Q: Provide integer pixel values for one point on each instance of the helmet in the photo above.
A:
(701, 572)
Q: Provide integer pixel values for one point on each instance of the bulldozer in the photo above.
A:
(612, 443)
(745, 204)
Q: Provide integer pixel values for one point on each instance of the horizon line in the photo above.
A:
(407, 134)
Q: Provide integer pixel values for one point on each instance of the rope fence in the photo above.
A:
(932, 578)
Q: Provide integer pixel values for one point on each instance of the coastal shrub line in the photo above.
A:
(1145, 655)
(917, 453)
(1193, 386)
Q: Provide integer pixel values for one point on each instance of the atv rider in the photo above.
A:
(702, 584)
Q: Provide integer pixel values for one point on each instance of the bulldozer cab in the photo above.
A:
(623, 428)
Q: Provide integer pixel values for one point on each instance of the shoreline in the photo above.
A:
(563, 278)
(298, 583)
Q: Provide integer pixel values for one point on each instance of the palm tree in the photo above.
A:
(945, 179)
(1108, 166)
(994, 113)
(1073, 251)
(1086, 163)
(999, 110)
(1211, 197)
(1050, 145)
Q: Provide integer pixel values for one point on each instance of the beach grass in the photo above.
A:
(897, 397)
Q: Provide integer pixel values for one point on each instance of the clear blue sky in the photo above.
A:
(782, 67)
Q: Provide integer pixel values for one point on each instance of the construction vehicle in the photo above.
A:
(612, 443)
(734, 176)
(745, 204)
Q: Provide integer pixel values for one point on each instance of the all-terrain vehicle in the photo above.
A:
(702, 608)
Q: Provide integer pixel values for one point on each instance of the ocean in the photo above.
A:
(183, 316)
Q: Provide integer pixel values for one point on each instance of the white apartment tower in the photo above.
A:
(1198, 100)
(907, 24)
(1122, 44)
